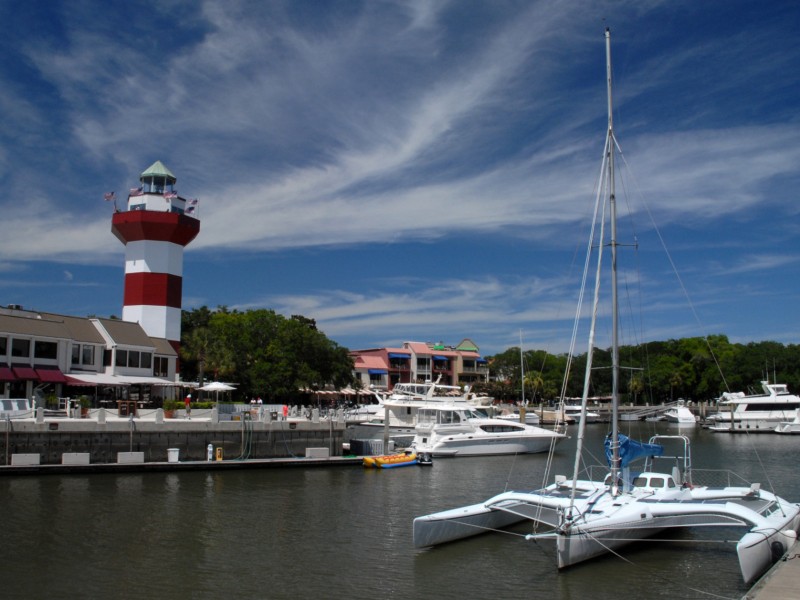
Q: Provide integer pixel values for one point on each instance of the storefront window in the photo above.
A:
(48, 350)
(21, 348)
(88, 355)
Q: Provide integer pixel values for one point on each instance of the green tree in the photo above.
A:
(265, 353)
(636, 387)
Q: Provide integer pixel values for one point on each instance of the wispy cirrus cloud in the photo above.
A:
(375, 124)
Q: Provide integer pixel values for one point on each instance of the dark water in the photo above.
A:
(344, 533)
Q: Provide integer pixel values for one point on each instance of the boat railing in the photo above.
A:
(717, 478)
(596, 472)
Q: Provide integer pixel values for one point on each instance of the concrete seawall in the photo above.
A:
(103, 439)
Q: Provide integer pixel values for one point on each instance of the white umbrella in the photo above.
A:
(217, 387)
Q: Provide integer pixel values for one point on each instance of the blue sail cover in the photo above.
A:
(630, 450)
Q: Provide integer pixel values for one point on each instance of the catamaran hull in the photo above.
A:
(460, 523)
(496, 513)
(576, 548)
(758, 550)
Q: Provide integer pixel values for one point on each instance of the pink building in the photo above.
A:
(382, 368)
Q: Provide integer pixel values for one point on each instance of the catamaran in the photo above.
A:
(585, 518)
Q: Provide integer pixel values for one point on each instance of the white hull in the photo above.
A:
(573, 413)
(460, 523)
(756, 412)
(790, 426)
(402, 436)
(681, 416)
(749, 425)
(606, 522)
(531, 418)
(490, 446)
(580, 547)
(444, 432)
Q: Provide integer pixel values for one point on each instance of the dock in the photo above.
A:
(782, 581)
(181, 466)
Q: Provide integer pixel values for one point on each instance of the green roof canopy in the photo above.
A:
(157, 169)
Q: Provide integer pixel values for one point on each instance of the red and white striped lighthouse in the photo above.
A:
(155, 228)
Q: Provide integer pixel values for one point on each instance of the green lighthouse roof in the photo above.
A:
(157, 169)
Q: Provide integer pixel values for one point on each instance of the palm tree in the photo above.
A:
(536, 382)
(196, 347)
(635, 387)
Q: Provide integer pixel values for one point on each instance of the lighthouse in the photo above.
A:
(157, 225)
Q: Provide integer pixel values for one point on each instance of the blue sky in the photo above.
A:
(410, 170)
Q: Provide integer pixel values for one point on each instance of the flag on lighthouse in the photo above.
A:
(110, 196)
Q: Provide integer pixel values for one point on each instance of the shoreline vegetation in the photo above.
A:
(271, 356)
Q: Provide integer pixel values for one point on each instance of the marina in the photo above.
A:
(137, 455)
(302, 531)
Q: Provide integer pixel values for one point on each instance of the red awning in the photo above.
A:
(78, 382)
(6, 374)
(51, 375)
(25, 373)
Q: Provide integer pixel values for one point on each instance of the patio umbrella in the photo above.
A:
(217, 387)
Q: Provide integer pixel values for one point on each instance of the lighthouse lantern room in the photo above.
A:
(157, 225)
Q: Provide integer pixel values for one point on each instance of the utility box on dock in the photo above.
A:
(75, 458)
(127, 458)
(318, 453)
(25, 460)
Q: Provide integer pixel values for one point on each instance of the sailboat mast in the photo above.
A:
(612, 201)
(522, 367)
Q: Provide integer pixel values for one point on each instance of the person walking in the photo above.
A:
(187, 402)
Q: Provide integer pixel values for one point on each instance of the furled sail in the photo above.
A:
(630, 450)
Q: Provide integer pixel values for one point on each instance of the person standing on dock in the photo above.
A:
(187, 402)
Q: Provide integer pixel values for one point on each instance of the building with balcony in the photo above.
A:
(382, 368)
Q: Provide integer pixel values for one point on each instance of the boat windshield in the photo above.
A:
(438, 416)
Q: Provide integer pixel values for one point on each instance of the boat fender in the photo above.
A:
(777, 551)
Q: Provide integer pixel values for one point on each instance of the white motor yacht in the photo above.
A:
(680, 415)
(528, 416)
(397, 415)
(755, 412)
(573, 413)
(459, 431)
